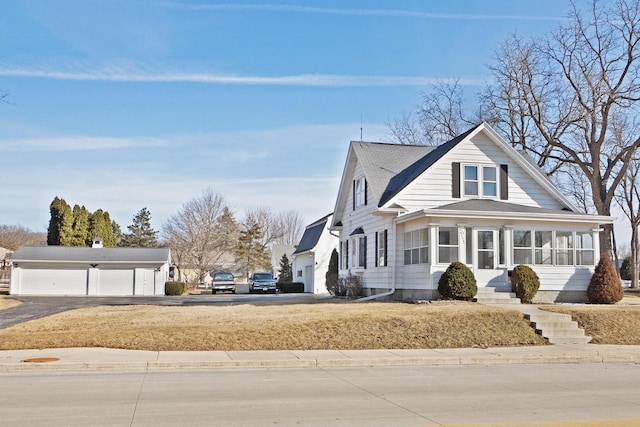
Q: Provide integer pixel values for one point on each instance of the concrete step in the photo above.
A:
(557, 328)
(570, 340)
(560, 332)
(552, 324)
(493, 296)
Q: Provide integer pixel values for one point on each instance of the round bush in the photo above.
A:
(175, 288)
(605, 286)
(525, 283)
(457, 282)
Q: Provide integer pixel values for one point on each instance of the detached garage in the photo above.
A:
(62, 270)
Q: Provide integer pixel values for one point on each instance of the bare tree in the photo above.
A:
(198, 233)
(291, 226)
(567, 90)
(440, 116)
(14, 236)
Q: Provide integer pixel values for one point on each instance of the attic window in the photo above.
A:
(359, 192)
(480, 181)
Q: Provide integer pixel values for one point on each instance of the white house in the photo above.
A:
(404, 213)
(311, 257)
(63, 270)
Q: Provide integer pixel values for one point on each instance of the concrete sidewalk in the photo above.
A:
(96, 359)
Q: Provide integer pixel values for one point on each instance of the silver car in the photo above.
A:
(222, 281)
(262, 282)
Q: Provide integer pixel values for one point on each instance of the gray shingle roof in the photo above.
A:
(381, 162)
(311, 235)
(413, 171)
(484, 205)
(91, 255)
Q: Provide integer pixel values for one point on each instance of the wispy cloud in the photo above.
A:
(358, 12)
(318, 80)
(79, 143)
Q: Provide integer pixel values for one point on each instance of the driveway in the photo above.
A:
(35, 307)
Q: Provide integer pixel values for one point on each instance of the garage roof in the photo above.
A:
(91, 255)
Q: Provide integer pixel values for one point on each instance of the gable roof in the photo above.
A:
(380, 162)
(390, 168)
(311, 235)
(90, 255)
(409, 174)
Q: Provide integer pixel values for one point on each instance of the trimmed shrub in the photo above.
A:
(292, 287)
(605, 286)
(457, 282)
(175, 288)
(625, 269)
(349, 286)
(525, 283)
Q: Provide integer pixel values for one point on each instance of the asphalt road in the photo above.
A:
(513, 395)
(34, 307)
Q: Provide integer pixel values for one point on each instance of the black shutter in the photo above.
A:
(365, 252)
(365, 191)
(504, 182)
(375, 255)
(455, 180)
(346, 258)
(354, 195)
(386, 249)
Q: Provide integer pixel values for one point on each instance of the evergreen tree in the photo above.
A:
(605, 286)
(80, 233)
(250, 250)
(100, 227)
(331, 275)
(60, 232)
(117, 233)
(140, 234)
(286, 275)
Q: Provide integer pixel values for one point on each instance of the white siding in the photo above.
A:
(434, 187)
(362, 216)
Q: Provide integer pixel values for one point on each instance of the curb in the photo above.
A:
(61, 366)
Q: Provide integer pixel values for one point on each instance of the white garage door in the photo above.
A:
(115, 282)
(46, 281)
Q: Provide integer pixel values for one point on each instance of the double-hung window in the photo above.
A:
(522, 247)
(360, 192)
(564, 248)
(416, 247)
(358, 254)
(447, 245)
(381, 249)
(480, 181)
(584, 249)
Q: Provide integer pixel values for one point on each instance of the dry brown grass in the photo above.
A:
(8, 303)
(606, 324)
(291, 327)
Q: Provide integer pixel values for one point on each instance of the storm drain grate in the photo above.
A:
(41, 359)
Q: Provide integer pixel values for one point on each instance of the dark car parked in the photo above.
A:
(262, 282)
(222, 281)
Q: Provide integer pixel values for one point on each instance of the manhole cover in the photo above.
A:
(41, 359)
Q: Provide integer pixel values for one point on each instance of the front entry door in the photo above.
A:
(485, 259)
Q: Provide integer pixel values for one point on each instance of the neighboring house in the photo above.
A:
(63, 270)
(404, 213)
(311, 257)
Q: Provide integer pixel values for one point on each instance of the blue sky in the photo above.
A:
(127, 104)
